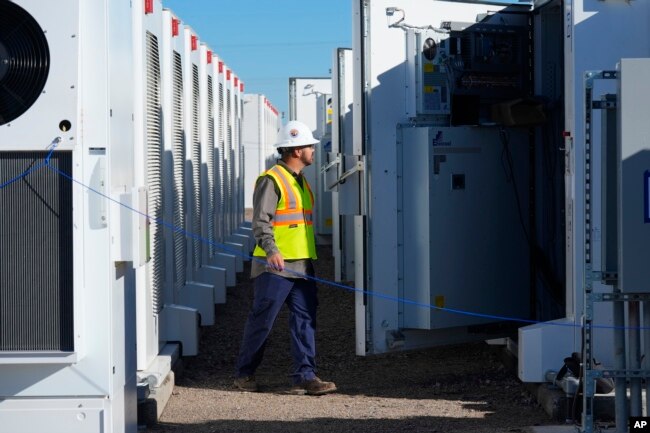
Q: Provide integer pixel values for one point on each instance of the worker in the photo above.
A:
(285, 248)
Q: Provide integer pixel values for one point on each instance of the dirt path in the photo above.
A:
(449, 389)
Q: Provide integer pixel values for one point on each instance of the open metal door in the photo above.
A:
(422, 239)
(341, 174)
(345, 177)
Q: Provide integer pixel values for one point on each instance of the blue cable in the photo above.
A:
(332, 283)
(52, 146)
(20, 176)
(150, 218)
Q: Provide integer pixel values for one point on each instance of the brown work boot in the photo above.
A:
(313, 387)
(246, 383)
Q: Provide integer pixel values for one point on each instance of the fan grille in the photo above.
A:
(24, 61)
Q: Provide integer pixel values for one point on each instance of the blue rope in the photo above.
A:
(150, 218)
(332, 283)
(52, 146)
(21, 176)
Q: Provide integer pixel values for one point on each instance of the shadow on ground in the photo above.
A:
(337, 425)
(464, 388)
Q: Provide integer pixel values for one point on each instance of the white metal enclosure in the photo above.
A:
(222, 264)
(259, 133)
(148, 172)
(322, 160)
(208, 129)
(236, 244)
(384, 65)
(210, 269)
(110, 193)
(67, 350)
(241, 238)
(304, 94)
(229, 153)
(193, 76)
(221, 149)
(524, 83)
(253, 144)
(224, 257)
(193, 178)
(236, 160)
(585, 49)
(186, 304)
(239, 159)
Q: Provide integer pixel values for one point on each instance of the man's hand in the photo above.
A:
(275, 262)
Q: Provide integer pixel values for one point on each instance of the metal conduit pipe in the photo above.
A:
(635, 357)
(619, 364)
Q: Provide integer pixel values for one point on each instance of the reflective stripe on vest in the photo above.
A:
(292, 217)
(289, 195)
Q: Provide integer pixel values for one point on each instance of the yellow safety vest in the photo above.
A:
(292, 224)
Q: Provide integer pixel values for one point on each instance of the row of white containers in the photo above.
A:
(310, 103)
(139, 216)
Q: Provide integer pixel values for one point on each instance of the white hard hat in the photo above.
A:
(295, 134)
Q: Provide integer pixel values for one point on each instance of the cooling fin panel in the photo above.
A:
(36, 260)
(154, 167)
(197, 207)
(178, 153)
(210, 163)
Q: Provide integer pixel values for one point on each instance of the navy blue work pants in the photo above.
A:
(271, 291)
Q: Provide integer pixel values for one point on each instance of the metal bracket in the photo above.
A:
(597, 374)
(324, 169)
(603, 105)
(609, 278)
(619, 297)
(589, 274)
(590, 76)
(358, 167)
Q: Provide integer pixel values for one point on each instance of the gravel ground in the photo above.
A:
(461, 388)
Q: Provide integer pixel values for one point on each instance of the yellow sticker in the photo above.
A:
(328, 222)
(429, 89)
(439, 301)
(429, 67)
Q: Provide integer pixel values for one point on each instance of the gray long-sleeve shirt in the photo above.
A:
(265, 201)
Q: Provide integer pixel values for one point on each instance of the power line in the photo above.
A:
(281, 44)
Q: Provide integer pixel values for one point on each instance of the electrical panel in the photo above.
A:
(433, 78)
(464, 69)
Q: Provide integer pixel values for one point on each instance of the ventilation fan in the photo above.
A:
(24, 61)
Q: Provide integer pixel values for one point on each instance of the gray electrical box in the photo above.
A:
(433, 79)
(634, 172)
(461, 226)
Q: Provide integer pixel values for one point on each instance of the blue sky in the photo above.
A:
(266, 42)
